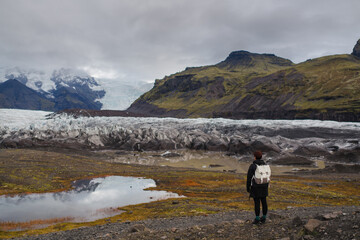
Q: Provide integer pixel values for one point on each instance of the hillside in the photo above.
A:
(250, 85)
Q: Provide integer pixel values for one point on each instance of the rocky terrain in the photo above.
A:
(260, 86)
(293, 223)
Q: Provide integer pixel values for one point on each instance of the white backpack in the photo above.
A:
(262, 174)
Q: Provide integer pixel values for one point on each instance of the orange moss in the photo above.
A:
(190, 183)
(11, 226)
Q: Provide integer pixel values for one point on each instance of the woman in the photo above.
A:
(257, 191)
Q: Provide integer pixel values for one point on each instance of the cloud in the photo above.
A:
(143, 40)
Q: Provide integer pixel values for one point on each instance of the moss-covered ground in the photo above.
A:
(206, 192)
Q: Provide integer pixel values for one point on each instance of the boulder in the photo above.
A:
(273, 216)
(331, 216)
(138, 228)
(312, 224)
(297, 221)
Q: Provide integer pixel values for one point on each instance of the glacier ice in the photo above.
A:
(279, 136)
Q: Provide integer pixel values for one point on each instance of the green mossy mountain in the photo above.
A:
(248, 85)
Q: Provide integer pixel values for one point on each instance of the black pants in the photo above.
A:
(257, 206)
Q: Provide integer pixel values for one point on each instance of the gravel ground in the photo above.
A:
(328, 223)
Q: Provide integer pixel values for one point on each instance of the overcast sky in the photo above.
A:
(148, 39)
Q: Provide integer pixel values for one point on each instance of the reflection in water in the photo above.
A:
(85, 203)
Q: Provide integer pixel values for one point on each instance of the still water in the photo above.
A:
(88, 201)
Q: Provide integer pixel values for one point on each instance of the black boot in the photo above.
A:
(256, 221)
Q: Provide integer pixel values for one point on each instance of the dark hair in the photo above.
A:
(258, 154)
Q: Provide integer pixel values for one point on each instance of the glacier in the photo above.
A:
(278, 138)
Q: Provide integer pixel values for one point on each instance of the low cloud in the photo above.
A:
(141, 40)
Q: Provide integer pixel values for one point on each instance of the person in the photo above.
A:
(258, 192)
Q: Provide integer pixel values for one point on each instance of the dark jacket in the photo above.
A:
(256, 190)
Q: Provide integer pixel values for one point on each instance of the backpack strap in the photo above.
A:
(252, 179)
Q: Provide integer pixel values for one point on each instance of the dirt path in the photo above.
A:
(341, 223)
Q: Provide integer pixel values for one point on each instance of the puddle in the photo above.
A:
(88, 201)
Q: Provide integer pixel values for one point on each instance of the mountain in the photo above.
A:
(75, 90)
(248, 85)
(65, 88)
(72, 88)
(14, 94)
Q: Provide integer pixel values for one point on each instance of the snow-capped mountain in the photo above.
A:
(74, 78)
(34, 79)
(71, 88)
